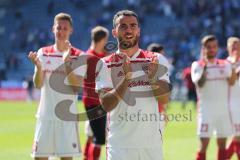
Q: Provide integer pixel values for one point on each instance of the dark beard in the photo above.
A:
(127, 44)
(210, 56)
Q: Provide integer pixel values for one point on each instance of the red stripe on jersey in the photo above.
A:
(117, 58)
(58, 56)
(49, 51)
(75, 51)
(112, 58)
(114, 65)
(201, 62)
(146, 54)
(221, 61)
(140, 61)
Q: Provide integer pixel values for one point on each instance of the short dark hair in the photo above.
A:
(155, 47)
(98, 33)
(63, 16)
(123, 13)
(207, 39)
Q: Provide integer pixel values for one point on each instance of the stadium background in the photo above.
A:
(178, 25)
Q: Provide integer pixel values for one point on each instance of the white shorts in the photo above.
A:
(162, 125)
(56, 138)
(235, 115)
(134, 153)
(88, 129)
(215, 124)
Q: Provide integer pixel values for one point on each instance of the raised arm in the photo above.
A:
(161, 88)
(110, 97)
(38, 76)
(74, 80)
(198, 74)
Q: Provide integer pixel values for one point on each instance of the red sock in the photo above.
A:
(201, 156)
(231, 149)
(221, 154)
(238, 149)
(86, 150)
(94, 152)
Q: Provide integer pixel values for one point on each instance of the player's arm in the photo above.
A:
(161, 88)
(110, 98)
(198, 74)
(73, 79)
(38, 76)
(231, 80)
(202, 79)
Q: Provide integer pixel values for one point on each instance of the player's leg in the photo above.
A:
(235, 144)
(98, 127)
(43, 146)
(67, 143)
(223, 127)
(205, 131)
(231, 148)
(238, 146)
(221, 142)
(201, 154)
(89, 141)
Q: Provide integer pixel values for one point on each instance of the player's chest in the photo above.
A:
(216, 71)
(53, 65)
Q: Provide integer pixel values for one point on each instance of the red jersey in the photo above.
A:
(188, 79)
(90, 97)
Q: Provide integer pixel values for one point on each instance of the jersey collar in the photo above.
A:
(135, 55)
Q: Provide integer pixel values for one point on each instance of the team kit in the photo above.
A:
(124, 92)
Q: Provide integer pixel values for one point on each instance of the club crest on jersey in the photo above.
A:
(48, 62)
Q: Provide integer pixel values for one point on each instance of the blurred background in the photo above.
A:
(176, 24)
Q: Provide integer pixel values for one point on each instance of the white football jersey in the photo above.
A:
(134, 123)
(235, 90)
(213, 96)
(51, 92)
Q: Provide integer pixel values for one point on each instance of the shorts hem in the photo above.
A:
(56, 155)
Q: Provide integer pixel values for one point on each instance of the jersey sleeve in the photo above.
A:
(164, 62)
(103, 79)
(196, 72)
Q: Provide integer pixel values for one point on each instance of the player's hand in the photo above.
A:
(152, 68)
(127, 67)
(66, 55)
(234, 58)
(34, 59)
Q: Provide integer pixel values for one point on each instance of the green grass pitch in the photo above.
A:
(17, 124)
